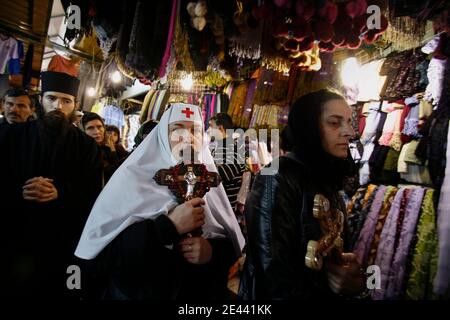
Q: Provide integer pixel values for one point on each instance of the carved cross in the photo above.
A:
(187, 181)
(331, 243)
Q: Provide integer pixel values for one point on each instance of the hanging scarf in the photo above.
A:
(173, 17)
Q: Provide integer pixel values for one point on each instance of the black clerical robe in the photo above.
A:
(38, 240)
(144, 262)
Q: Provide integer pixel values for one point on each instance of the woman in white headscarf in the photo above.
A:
(136, 229)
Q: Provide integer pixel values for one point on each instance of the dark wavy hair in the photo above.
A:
(90, 116)
(223, 119)
(113, 129)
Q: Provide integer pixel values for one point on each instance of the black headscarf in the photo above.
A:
(304, 134)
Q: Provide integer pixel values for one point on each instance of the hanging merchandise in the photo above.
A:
(424, 257)
(272, 87)
(329, 25)
(197, 11)
(28, 66)
(358, 209)
(213, 103)
(113, 115)
(440, 171)
(169, 51)
(133, 126)
(215, 79)
(308, 60)
(391, 227)
(436, 68)
(110, 81)
(402, 76)
(62, 64)
(151, 19)
(247, 109)
(395, 240)
(268, 116)
(270, 57)
(278, 64)
(106, 40)
(8, 50)
(389, 139)
(158, 104)
(399, 32)
(302, 82)
(88, 43)
(145, 106)
(431, 148)
(98, 108)
(246, 45)
(181, 46)
(410, 167)
(391, 129)
(87, 94)
(123, 39)
(13, 67)
(237, 101)
(442, 281)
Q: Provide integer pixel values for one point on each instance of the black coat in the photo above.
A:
(38, 240)
(144, 262)
(280, 222)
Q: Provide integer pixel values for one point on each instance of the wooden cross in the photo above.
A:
(331, 243)
(187, 181)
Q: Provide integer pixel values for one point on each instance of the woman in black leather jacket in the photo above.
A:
(279, 209)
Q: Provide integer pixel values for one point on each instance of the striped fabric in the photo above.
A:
(230, 163)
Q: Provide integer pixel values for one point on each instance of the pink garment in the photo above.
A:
(212, 105)
(204, 111)
(162, 69)
(391, 126)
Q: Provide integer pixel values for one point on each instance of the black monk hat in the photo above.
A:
(59, 82)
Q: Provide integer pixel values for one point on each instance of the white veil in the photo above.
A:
(132, 195)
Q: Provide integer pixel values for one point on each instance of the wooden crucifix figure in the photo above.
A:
(187, 181)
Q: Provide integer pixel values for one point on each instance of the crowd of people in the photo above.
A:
(73, 196)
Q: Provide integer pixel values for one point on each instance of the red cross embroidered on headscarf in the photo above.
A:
(187, 112)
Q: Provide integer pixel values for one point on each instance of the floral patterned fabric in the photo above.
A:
(405, 233)
(384, 212)
(386, 244)
(357, 212)
(362, 246)
(424, 260)
(403, 78)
